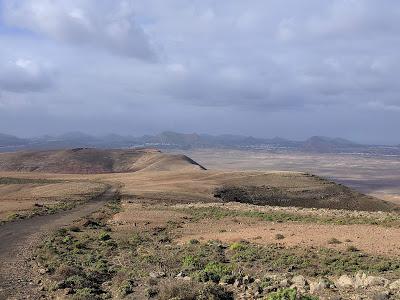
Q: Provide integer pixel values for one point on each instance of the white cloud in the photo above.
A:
(259, 56)
(110, 25)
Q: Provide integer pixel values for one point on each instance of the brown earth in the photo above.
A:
(372, 239)
(367, 238)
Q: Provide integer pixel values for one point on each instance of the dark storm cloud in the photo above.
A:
(285, 60)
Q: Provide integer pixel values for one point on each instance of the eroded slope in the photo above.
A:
(90, 161)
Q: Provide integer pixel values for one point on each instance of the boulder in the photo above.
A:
(395, 285)
(247, 279)
(380, 296)
(345, 282)
(180, 275)
(320, 285)
(237, 283)
(361, 280)
(375, 281)
(284, 283)
(157, 274)
(299, 283)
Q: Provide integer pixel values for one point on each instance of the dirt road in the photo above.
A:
(18, 238)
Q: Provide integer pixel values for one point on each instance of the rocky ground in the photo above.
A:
(140, 251)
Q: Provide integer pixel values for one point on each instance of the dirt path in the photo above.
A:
(17, 240)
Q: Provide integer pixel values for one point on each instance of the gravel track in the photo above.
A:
(18, 239)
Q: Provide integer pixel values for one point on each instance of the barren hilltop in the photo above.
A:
(90, 161)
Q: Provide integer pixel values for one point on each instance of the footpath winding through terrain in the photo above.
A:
(18, 238)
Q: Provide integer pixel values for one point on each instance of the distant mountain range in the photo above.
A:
(174, 140)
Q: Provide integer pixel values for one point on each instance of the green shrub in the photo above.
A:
(104, 236)
(193, 291)
(75, 228)
(126, 288)
(352, 248)
(76, 282)
(191, 262)
(285, 294)
(215, 292)
(151, 292)
(289, 294)
(215, 271)
(85, 294)
(237, 246)
(334, 241)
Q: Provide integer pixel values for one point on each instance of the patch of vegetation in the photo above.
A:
(41, 210)
(200, 213)
(12, 180)
(215, 271)
(237, 246)
(14, 216)
(193, 291)
(326, 195)
(80, 258)
(289, 294)
(334, 241)
(352, 248)
(127, 288)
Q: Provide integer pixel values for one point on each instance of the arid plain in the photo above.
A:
(251, 226)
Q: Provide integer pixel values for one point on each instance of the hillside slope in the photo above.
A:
(90, 161)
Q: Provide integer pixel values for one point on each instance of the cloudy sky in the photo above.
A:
(263, 67)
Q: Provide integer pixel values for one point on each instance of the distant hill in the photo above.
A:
(325, 144)
(170, 139)
(174, 140)
(10, 140)
(88, 161)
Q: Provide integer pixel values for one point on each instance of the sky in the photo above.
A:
(264, 68)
